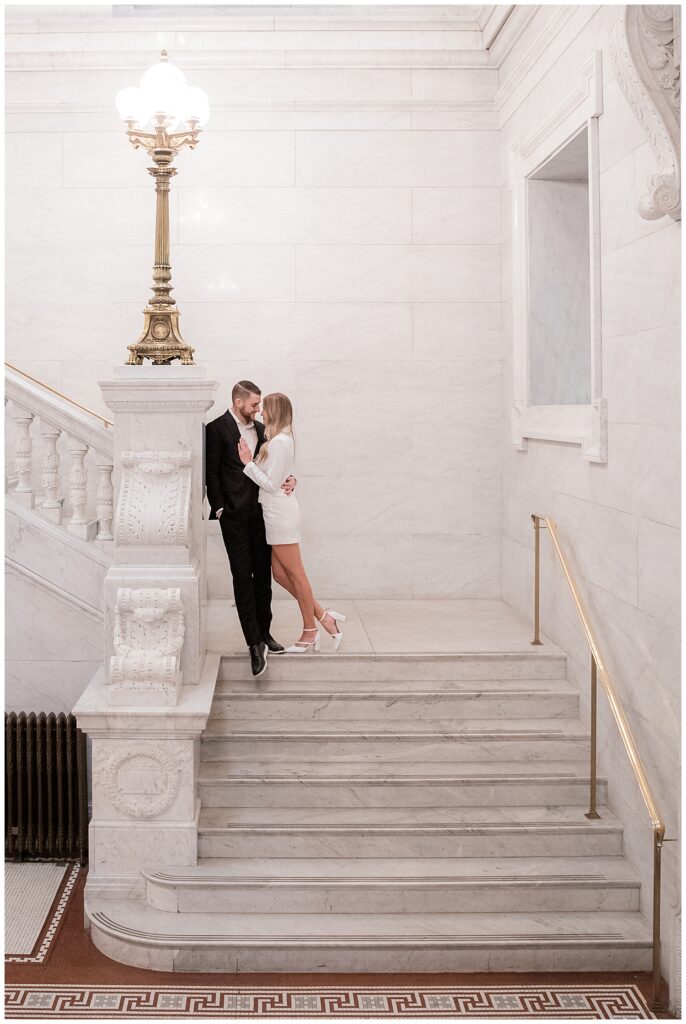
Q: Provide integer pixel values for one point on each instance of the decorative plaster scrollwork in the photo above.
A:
(646, 56)
(154, 500)
(141, 781)
(148, 638)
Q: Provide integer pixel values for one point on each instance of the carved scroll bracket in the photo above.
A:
(645, 50)
(149, 630)
(154, 500)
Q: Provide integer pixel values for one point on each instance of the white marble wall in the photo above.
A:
(619, 521)
(335, 236)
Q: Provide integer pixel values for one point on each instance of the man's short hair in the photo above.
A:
(243, 389)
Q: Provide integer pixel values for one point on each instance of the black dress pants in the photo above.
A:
(251, 569)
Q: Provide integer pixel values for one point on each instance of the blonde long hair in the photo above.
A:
(280, 416)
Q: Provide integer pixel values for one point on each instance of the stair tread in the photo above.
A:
(416, 689)
(305, 770)
(302, 818)
(410, 870)
(548, 651)
(279, 728)
(145, 925)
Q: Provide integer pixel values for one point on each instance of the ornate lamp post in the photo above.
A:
(166, 103)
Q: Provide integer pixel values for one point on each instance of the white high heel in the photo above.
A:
(337, 617)
(301, 647)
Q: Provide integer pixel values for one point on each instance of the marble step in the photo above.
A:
(402, 832)
(468, 740)
(441, 702)
(405, 885)
(248, 783)
(357, 670)
(134, 933)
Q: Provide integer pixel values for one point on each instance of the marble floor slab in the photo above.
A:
(394, 627)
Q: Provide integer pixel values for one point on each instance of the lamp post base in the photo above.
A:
(161, 340)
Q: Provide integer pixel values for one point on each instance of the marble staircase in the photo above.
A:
(391, 813)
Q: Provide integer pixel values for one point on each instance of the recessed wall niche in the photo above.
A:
(554, 177)
(559, 300)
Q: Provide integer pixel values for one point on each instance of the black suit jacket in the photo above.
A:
(227, 485)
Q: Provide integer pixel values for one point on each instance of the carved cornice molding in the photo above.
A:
(646, 57)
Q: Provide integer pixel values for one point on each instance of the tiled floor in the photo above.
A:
(75, 981)
(394, 627)
(30, 889)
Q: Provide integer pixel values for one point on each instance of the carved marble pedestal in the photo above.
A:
(146, 708)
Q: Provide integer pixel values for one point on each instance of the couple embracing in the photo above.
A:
(250, 488)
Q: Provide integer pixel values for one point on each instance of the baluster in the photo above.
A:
(50, 479)
(23, 449)
(105, 501)
(79, 524)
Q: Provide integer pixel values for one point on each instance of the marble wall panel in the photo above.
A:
(46, 685)
(618, 214)
(33, 160)
(70, 278)
(344, 565)
(66, 632)
(463, 216)
(445, 84)
(641, 284)
(235, 273)
(81, 217)
(279, 330)
(447, 330)
(417, 158)
(608, 555)
(620, 378)
(37, 332)
(620, 132)
(455, 566)
(302, 215)
(428, 273)
(659, 579)
(659, 376)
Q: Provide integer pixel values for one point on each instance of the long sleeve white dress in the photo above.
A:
(280, 510)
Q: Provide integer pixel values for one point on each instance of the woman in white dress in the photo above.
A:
(272, 464)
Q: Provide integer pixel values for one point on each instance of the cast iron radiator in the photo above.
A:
(46, 787)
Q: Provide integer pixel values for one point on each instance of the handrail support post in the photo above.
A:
(536, 642)
(592, 809)
(656, 1000)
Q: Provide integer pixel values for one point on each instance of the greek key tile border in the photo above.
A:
(594, 1002)
(37, 956)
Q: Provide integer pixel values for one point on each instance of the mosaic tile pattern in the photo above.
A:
(592, 1002)
(14, 916)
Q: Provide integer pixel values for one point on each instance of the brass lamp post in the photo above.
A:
(166, 103)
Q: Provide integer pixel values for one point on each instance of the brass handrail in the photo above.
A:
(66, 398)
(599, 668)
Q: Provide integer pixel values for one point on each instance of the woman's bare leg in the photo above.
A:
(291, 562)
(283, 579)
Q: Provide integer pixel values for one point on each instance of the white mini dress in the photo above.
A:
(280, 510)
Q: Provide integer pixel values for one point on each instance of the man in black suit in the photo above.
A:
(233, 501)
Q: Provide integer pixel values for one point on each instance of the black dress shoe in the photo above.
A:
(258, 658)
(272, 644)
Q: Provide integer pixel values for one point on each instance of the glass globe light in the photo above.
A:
(132, 106)
(196, 106)
(164, 86)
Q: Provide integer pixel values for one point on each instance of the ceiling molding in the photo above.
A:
(541, 44)
(217, 60)
(495, 24)
(246, 105)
